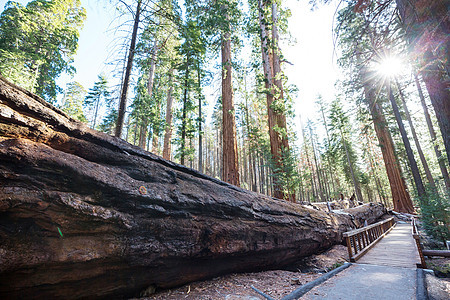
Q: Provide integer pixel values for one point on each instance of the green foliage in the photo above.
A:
(286, 173)
(73, 101)
(97, 96)
(38, 42)
(435, 212)
(109, 121)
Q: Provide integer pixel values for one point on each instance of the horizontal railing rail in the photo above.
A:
(415, 234)
(361, 240)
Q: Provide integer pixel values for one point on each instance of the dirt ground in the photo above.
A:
(276, 283)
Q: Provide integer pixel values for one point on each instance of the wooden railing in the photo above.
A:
(415, 234)
(359, 241)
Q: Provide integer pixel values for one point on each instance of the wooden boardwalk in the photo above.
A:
(396, 249)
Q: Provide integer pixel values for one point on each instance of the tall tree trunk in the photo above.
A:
(308, 160)
(352, 172)
(416, 140)
(330, 167)
(150, 83)
(230, 171)
(412, 161)
(126, 80)
(428, 30)
(169, 116)
(143, 133)
(400, 196)
(439, 157)
(96, 112)
(320, 187)
(184, 114)
(200, 121)
(274, 91)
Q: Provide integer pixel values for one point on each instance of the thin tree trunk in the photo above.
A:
(317, 166)
(143, 133)
(184, 115)
(124, 93)
(330, 167)
(96, 112)
(412, 161)
(200, 120)
(352, 172)
(308, 160)
(416, 140)
(150, 83)
(169, 115)
(439, 156)
(230, 171)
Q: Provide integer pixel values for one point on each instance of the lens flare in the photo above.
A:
(389, 66)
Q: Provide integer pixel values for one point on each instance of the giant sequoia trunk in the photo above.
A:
(400, 196)
(84, 214)
(230, 170)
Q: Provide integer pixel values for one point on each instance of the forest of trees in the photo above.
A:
(384, 137)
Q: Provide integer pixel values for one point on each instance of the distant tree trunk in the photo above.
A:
(428, 29)
(124, 93)
(230, 171)
(184, 114)
(412, 161)
(330, 167)
(352, 172)
(416, 140)
(156, 130)
(320, 188)
(440, 159)
(307, 160)
(169, 116)
(143, 133)
(96, 112)
(150, 84)
(400, 196)
(200, 120)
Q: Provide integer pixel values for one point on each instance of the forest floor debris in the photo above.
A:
(275, 283)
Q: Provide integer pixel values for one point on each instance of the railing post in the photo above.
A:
(349, 248)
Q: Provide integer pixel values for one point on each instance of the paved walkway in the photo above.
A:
(359, 282)
(387, 271)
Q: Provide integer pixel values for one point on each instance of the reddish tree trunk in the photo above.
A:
(230, 167)
(400, 196)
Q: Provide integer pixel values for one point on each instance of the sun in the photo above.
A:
(389, 66)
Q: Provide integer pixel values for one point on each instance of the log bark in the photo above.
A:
(85, 214)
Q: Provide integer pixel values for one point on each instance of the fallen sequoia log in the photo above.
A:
(84, 214)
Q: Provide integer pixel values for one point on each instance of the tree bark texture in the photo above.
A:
(230, 171)
(169, 117)
(440, 158)
(427, 25)
(400, 196)
(85, 214)
(416, 139)
(124, 92)
(409, 153)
